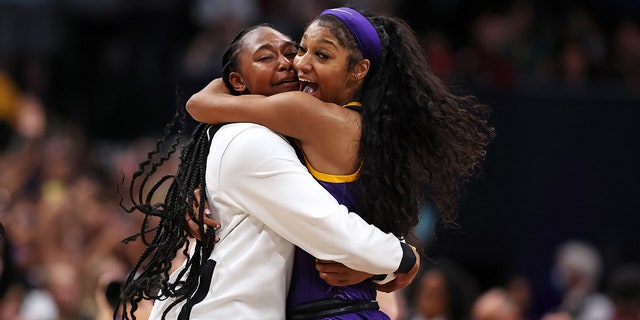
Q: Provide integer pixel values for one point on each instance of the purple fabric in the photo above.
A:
(362, 30)
(306, 284)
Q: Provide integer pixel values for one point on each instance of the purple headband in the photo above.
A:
(362, 30)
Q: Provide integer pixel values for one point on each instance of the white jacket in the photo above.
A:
(267, 203)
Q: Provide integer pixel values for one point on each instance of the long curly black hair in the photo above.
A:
(420, 141)
(149, 278)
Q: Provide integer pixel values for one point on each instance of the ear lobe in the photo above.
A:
(237, 82)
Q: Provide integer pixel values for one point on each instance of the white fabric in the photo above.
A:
(266, 202)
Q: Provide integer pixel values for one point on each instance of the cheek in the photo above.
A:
(334, 84)
(258, 80)
(337, 76)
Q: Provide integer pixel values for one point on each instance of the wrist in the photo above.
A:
(383, 278)
(379, 277)
(408, 258)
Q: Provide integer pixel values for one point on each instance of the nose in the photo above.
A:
(301, 63)
(284, 64)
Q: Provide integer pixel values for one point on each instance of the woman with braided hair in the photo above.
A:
(263, 197)
(148, 280)
(370, 112)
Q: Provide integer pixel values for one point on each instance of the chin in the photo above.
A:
(280, 89)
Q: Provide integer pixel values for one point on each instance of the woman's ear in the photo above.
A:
(237, 82)
(361, 69)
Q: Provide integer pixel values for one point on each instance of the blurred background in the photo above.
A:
(86, 86)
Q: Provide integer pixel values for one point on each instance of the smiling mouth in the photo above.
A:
(307, 86)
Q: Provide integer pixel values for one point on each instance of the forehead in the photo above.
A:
(262, 36)
(319, 32)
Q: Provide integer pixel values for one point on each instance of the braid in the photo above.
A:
(149, 278)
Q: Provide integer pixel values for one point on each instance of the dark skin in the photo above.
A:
(267, 60)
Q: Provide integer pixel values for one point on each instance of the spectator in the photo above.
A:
(624, 290)
(576, 272)
(496, 304)
(519, 288)
(445, 292)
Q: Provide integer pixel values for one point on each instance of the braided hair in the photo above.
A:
(149, 278)
(420, 142)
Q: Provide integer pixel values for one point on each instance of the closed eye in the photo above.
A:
(291, 51)
(291, 55)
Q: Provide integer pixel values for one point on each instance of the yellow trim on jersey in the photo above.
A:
(353, 104)
(333, 178)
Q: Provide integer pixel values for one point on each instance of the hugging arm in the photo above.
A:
(337, 274)
(324, 127)
(261, 173)
(294, 114)
(334, 273)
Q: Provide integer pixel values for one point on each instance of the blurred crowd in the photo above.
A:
(86, 86)
(446, 290)
(62, 225)
(93, 61)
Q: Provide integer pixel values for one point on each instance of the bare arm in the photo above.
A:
(337, 274)
(293, 114)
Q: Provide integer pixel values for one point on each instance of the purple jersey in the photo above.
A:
(306, 284)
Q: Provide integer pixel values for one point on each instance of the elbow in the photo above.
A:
(192, 105)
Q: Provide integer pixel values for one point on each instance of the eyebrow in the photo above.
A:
(289, 43)
(270, 46)
(265, 46)
(328, 42)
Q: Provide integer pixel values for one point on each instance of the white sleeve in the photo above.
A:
(261, 174)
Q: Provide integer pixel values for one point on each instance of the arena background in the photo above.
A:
(562, 79)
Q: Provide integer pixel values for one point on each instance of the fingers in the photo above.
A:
(330, 266)
(333, 278)
(402, 279)
(331, 272)
(209, 221)
(325, 261)
(387, 287)
(196, 196)
(194, 228)
(393, 285)
(337, 274)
